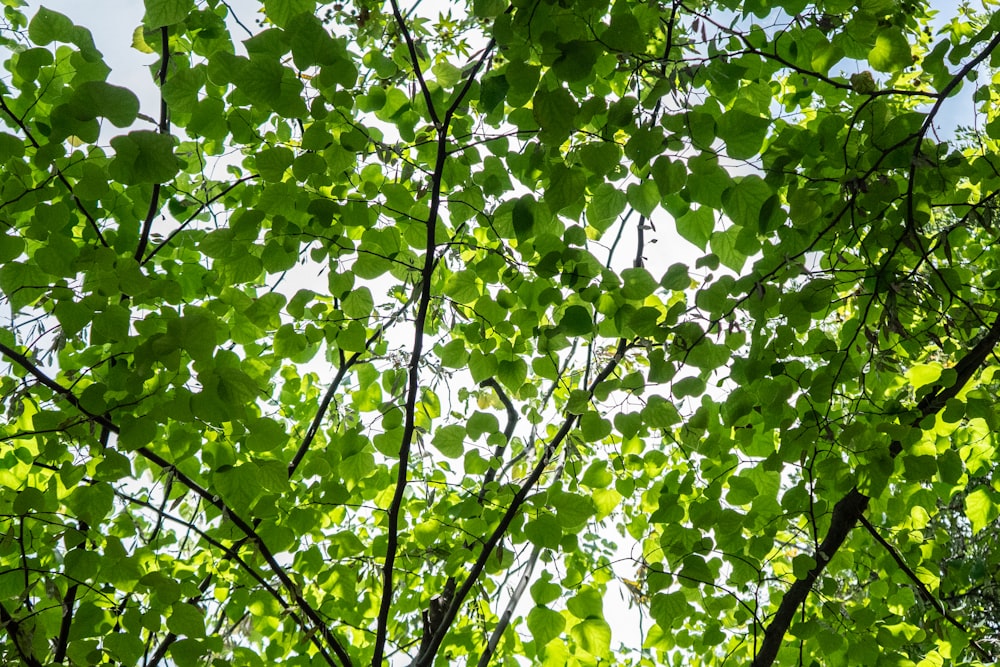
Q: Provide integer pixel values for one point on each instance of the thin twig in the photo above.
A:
(163, 128)
(59, 174)
(849, 510)
(208, 202)
(925, 593)
(426, 658)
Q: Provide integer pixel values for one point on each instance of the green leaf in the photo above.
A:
(463, 287)
(891, 52)
(450, 440)
(743, 133)
(544, 531)
(359, 303)
(572, 510)
(606, 204)
(643, 197)
(639, 284)
(920, 375)
(565, 187)
(281, 12)
(743, 201)
(576, 321)
(48, 26)
(239, 486)
(273, 162)
(576, 60)
(676, 278)
(554, 112)
(696, 226)
(94, 99)
(980, 509)
(724, 246)
(186, 620)
(512, 373)
(166, 12)
(545, 624)
(143, 156)
(454, 354)
(593, 635)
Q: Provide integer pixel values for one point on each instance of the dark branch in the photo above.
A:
(18, 637)
(62, 178)
(848, 512)
(426, 658)
(925, 593)
(508, 433)
(413, 380)
(162, 128)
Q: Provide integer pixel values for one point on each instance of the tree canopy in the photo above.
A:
(413, 335)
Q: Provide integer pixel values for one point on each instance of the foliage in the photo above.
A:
(359, 346)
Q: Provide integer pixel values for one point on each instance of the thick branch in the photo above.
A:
(848, 512)
(426, 658)
(423, 304)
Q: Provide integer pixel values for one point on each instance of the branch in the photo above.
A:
(415, 59)
(413, 388)
(62, 178)
(69, 601)
(324, 405)
(425, 659)
(331, 390)
(162, 128)
(845, 515)
(925, 593)
(208, 202)
(13, 627)
(849, 510)
(515, 599)
(212, 499)
(229, 553)
(508, 433)
(423, 304)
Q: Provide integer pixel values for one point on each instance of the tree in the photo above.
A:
(357, 349)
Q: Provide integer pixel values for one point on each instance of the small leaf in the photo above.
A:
(891, 52)
(980, 509)
(161, 13)
(593, 635)
(545, 624)
(143, 156)
(450, 440)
